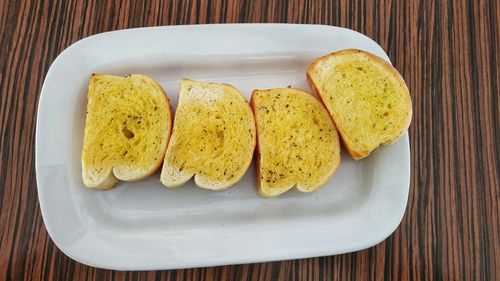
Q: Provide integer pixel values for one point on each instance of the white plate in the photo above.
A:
(142, 225)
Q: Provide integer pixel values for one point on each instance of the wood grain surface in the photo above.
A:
(447, 51)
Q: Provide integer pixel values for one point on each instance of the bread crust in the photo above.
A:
(359, 154)
(261, 188)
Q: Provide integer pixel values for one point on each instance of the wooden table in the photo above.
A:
(448, 53)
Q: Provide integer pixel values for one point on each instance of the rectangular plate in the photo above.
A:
(142, 225)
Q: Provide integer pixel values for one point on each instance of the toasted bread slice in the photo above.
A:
(127, 129)
(297, 142)
(213, 137)
(367, 98)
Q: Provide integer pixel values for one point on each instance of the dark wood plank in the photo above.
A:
(447, 51)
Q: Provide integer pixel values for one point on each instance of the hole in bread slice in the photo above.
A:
(127, 133)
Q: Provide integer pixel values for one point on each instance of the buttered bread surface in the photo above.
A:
(213, 138)
(367, 98)
(126, 131)
(298, 145)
